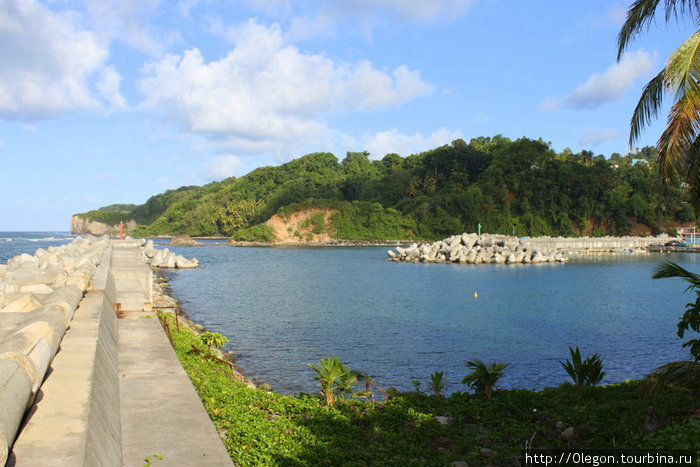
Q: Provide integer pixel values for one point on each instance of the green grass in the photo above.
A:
(261, 428)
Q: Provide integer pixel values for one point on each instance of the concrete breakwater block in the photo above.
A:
(165, 258)
(38, 296)
(14, 396)
(470, 248)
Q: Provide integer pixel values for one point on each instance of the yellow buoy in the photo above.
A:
(476, 295)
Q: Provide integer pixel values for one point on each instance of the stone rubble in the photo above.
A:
(470, 248)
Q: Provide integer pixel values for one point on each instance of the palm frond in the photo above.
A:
(684, 375)
(648, 105)
(639, 15)
(668, 269)
(683, 69)
(675, 146)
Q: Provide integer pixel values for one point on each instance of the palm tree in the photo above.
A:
(679, 144)
(588, 372)
(684, 374)
(334, 377)
(437, 383)
(484, 377)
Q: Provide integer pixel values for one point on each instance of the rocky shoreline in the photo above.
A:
(164, 302)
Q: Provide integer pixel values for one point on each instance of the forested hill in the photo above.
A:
(517, 187)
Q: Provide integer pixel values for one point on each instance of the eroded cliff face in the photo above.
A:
(80, 226)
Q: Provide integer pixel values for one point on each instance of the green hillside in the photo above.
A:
(519, 187)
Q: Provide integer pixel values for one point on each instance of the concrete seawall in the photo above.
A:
(39, 296)
(596, 243)
(87, 376)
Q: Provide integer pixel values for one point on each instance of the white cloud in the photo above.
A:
(222, 167)
(321, 18)
(595, 137)
(616, 15)
(49, 64)
(386, 142)
(265, 95)
(413, 10)
(409, 10)
(108, 85)
(129, 21)
(605, 87)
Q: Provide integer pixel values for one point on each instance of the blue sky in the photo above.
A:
(105, 102)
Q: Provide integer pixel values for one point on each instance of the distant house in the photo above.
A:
(639, 161)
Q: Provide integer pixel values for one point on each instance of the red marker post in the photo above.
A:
(121, 230)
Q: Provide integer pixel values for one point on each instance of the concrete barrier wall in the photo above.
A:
(76, 421)
(104, 433)
(596, 243)
(38, 298)
(78, 416)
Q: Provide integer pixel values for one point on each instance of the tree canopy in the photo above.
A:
(519, 187)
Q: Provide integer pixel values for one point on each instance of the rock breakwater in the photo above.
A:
(470, 248)
(165, 258)
(38, 297)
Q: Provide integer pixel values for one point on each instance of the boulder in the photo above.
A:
(468, 240)
(183, 263)
(183, 240)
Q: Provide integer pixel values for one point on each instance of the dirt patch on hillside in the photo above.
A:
(308, 226)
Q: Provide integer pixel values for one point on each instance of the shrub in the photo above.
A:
(334, 377)
(588, 372)
(257, 233)
(484, 377)
(437, 383)
(213, 339)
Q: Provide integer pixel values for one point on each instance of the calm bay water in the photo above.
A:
(283, 308)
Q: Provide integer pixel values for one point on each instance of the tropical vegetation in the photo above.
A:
(437, 383)
(678, 146)
(335, 378)
(678, 155)
(588, 372)
(413, 428)
(521, 187)
(213, 339)
(682, 374)
(484, 376)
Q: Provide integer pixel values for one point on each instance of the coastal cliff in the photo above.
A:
(85, 226)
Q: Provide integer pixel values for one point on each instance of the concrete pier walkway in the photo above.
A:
(115, 392)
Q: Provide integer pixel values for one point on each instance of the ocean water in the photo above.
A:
(283, 308)
(16, 243)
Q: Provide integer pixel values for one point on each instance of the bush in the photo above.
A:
(257, 233)
(213, 339)
(588, 372)
(484, 377)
